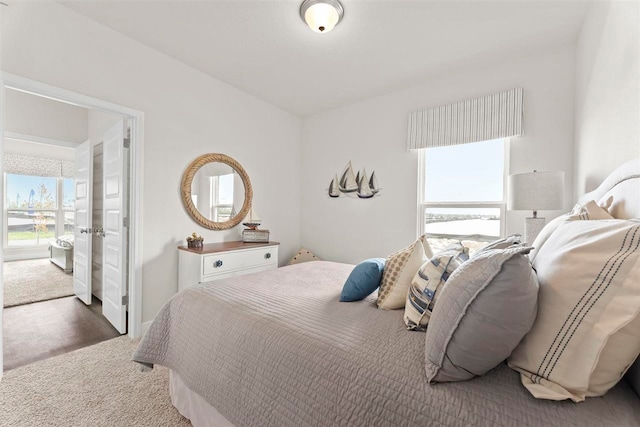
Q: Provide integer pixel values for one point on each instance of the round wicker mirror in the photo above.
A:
(213, 186)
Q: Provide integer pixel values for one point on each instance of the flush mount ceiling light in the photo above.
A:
(321, 15)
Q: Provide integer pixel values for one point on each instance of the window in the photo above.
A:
(222, 197)
(462, 193)
(38, 209)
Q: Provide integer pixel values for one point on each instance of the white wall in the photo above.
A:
(37, 149)
(98, 123)
(32, 115)
(186, 114)
(607, 91)
(37, 116)
(373, 134)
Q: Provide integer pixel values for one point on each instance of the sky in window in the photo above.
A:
(21, 187)
(68, 191)
(465, 173)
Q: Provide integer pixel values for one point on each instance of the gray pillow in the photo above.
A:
(486, 307)
(504, 243)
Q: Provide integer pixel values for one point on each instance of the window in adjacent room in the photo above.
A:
(39, 209)
(462, 193)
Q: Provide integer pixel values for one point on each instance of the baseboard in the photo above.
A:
(19, 254)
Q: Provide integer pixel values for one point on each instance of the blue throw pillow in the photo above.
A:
(363, 280)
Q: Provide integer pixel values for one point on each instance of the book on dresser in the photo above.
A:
(221, 260)
(255, 236)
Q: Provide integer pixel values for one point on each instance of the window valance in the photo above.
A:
(38, 166)
(481, 119)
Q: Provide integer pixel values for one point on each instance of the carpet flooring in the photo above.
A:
(34, 280)
(94, 386)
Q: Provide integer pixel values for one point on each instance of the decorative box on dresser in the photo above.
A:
(221, 260)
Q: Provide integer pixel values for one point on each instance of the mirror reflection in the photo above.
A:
(217, 191)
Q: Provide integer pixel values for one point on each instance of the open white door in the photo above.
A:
(82, 230)
(115, 217)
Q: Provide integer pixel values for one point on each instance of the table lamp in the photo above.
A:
(535, 191)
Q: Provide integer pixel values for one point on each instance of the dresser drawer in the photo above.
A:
(235, 273)
(215, 261)
(238, 260)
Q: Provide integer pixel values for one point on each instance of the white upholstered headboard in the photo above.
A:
(624, 185)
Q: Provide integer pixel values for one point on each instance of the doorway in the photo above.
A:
(133, 186)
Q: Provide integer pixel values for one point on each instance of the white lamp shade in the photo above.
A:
(321, 15)
(536, 191)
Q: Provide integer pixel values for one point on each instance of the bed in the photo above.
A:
(277, 348)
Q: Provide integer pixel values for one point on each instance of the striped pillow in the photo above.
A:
(427, 282)
(587, 333)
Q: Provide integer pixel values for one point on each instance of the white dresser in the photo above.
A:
(221, 260)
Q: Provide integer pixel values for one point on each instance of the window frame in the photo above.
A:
(424, 205)
(59, 215)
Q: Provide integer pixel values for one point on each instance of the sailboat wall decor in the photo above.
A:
(373, 183)
(352, 184)
(348, 183)
(334, 189)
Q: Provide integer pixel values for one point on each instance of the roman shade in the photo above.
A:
(480, 119)
(37, 166)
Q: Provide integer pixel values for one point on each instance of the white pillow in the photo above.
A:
(399, 269)
(587, 211)
(303, 255)
(587, 332)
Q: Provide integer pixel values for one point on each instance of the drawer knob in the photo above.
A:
(267, 255)
(217, 264)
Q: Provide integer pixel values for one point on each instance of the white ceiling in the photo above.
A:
(263, 48)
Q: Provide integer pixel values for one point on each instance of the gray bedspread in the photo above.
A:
(277, 348)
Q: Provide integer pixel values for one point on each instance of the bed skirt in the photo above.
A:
(192, 406)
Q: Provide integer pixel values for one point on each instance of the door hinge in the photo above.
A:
(127, 142)
(125, 221)
(125, 299)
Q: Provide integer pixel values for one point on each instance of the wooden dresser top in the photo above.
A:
(211, 248)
